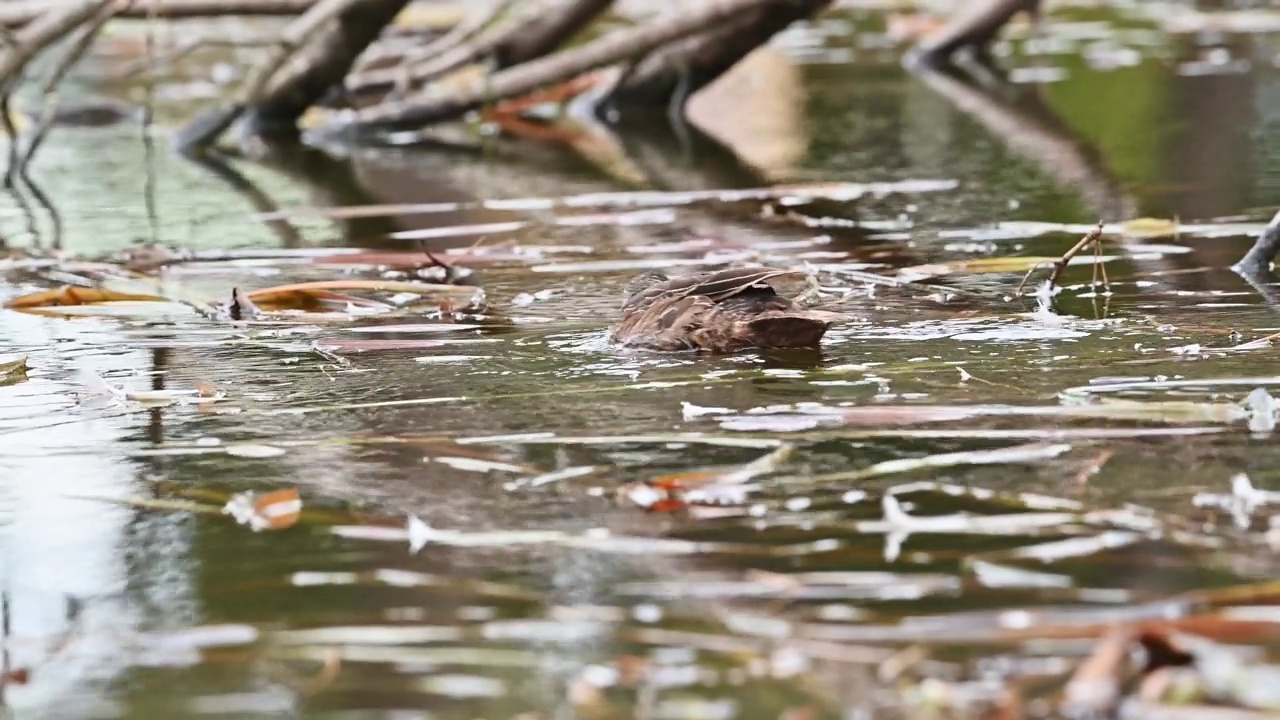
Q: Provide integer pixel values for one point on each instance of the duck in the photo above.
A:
(718, 311)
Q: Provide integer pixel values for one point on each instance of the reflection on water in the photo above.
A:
(785, 604)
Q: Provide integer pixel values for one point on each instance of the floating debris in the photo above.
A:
(275, 510)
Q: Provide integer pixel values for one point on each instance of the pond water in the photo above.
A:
(537, 577)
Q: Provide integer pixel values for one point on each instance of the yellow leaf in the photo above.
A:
(976, 265)
(1150, 227)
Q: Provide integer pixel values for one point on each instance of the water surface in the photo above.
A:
(779, 604)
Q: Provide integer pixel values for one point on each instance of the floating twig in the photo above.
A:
(1094, 239)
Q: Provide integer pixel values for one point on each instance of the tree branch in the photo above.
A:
(423, 108)
(974, 26)
(539, 30)
(49, 88)
(685, 67)
(42, 32)
(352, 16)
(19, 13)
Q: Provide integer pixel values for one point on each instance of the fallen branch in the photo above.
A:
(18, 14)
(461, 33)
(975, 26)
(422, 108)
(667, 77)
(289, 81)
(528, 36)
(48, 28)
(206, 128)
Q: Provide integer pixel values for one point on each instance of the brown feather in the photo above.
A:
(718, 311)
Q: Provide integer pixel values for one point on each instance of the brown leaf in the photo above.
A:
(275, 510)
(280, 509)
(73, 295)
(320, 290)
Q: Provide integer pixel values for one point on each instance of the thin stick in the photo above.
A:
(148, 119)
(526, 36)
(14, 189)
(1094, 236)
(1100, 267)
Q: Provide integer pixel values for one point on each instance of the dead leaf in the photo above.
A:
(1150, 227)
(275, 510)
(284, 294)
(74, 295)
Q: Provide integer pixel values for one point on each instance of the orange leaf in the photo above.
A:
(684, 480)
(73, 295)
(559, 93)
(275, 510)
(279, 509)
